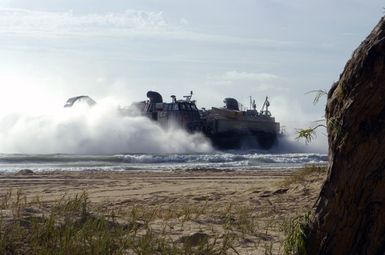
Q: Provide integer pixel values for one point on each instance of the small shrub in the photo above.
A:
(296, 230)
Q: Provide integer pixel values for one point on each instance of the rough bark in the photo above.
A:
(350, 212)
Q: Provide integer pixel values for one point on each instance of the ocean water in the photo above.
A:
(229, 160)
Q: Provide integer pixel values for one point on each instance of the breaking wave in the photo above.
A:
(217, 160)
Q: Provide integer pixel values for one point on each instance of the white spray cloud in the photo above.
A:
(293, 118)
(290, 142)
(97, 130)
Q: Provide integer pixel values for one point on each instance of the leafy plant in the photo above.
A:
(319, 93)
(308, 134)
(296, 230)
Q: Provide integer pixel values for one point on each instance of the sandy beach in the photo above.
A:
(254, 207)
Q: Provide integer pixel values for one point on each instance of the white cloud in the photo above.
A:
(260, 77)
(28, 22)
(184, 21)
(4, 2)
(129, 23)
(258, 81)
(241, 85)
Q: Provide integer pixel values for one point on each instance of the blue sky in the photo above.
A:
(51, 50)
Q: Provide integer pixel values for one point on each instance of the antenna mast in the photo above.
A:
(188, 98)
(266, 105)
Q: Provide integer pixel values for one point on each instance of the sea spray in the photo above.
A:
(289, 142)
(101, 129)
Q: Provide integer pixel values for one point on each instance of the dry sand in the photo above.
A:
(270, 198)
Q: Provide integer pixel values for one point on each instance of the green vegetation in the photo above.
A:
(296, 230)
(308, 134)
(318, 94)
(335, 127)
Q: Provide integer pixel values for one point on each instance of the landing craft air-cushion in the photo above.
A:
(227, 127)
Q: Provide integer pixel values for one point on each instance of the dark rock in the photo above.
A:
(25, 172)
(280, 191)
(202, 198)
(350, 212)
(32, 210)
(266, 194)
(194, 239)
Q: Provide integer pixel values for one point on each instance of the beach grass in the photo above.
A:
(72, 226)
(75, 225)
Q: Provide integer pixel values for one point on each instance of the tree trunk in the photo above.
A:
(350, 212)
